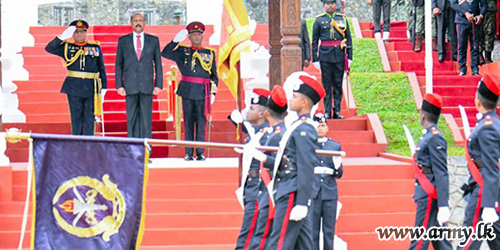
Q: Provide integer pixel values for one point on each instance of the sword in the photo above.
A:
(465, 121)
(409, 138)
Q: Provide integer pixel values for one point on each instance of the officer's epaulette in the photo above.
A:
(303, 119)
(434, 131)
(277, 131)
(88, 42)
(211, 49)
(488, 120)
(182, 45)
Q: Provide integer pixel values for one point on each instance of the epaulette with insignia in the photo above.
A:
(211, 49)
(94, 42)
(303, 119)
(488, 120)
(434, 131)
(277, 131)
(182, 45)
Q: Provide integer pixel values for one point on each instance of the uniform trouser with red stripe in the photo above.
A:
(287, 234)
(470, 211)
(248, 225)
(428, 216)
(326, 210)
(263, 229)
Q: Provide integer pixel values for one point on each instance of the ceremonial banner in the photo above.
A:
(90, 192)
(235, 38)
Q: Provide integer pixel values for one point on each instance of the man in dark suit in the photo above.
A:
(86, 72)
(199, 79)
(445, 16)
(305, 44)
(139, 76)
(469, 15)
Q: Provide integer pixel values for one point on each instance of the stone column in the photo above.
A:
(275, 43)
(291, 54)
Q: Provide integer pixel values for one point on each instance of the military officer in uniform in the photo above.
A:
(255, 116)
(487, 39)
(445, 16)
(293, 172)
(325, 193)
(275, 116)
(333, 56)
(469, 15)
(483, 151)
(198, 67)
(86, 75)
(431, 172)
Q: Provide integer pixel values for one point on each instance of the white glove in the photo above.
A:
(68, 33)
(212, 98)
(489, 215)
(337, 162)
(257, 154)
(443, 215)
(238, 150)
(349, 63)
(298, 213)
(180, 36)
(316, 65)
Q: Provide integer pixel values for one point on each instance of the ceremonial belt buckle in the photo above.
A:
(83, 75)
(323, 170)
(425, 169)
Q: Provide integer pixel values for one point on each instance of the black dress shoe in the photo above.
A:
(462, 73)
(441, 58)
(454, 58)
(200, 158)
(188, 157)
(337, 115)
(475, 73)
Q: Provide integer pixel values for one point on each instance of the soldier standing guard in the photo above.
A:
(293, 172)
(199, 79)
(275, 116)
(483, 151)
(431, 172)
(251, 167)
(325, 193)
(86, 75)
(469, 15)
(487, 39)
(334, 55)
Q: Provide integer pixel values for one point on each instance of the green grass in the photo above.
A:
(390, 96)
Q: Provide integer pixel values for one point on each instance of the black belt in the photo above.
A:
(425, 169)
(253, 173)
(287, 165)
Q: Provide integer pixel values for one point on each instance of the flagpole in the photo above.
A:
(14, 136)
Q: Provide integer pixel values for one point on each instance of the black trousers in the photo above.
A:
(139, 115)
(446, 21)
(332, 75)
(287, 234)
(468, 34)
(429, 217)
(82, 115)
(194, 116)
(378, 7)
(326, 211)
(470, 213)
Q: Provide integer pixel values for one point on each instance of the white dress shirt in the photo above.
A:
(134, 39)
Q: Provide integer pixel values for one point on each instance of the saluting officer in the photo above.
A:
(334, 54)
(255, 116)
(197, 65)
(431, 172)
(275, 116)
(293, 171)
(86, 75)
(325, 192)
(482, 158)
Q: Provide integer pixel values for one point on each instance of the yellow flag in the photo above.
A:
(235, 38)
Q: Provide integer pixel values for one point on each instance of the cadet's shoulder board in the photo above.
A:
(488, 120)
(94, 42)
(434, 131)
(303, 119)
(277, 131)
